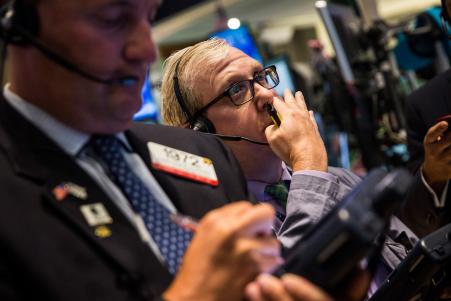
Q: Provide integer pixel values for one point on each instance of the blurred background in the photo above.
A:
(354, 60)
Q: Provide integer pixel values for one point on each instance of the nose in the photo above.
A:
(263, 96)
(140, 45)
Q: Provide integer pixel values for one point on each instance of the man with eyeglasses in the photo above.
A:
(214, 87)
(219, 87)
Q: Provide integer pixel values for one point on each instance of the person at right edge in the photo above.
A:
(428, 205)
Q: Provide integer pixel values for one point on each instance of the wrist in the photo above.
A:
(315, 162)
(308, 165)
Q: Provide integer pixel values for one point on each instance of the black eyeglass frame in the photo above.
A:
(226, 92)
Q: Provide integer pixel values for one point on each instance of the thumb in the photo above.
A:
(435, 132)
(269, 131)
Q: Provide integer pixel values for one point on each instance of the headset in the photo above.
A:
(196, 122)
(16, 17)
(19, 25)
(199, 122)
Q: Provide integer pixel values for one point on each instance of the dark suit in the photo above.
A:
(47, 249)
(424, 106)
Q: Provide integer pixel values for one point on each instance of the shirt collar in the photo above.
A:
(69, 139)
(257, 188)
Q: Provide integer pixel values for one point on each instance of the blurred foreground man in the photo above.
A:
(87, 196)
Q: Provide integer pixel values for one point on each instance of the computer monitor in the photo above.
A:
(149, 109)
(285, 75)
(242, 39)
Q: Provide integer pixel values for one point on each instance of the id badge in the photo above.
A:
(182, 164)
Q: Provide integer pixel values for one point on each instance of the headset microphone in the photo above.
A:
(56, 58)
(19, 26)
(238, 138)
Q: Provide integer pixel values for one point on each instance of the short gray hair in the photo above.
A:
(189, 60)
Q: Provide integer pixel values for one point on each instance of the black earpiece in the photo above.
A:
(18, 16)
(197, 123)
(203, 124)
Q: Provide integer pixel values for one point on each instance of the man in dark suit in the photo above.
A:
(87, 197)
(429, 205)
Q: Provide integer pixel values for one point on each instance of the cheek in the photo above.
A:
(232, 120)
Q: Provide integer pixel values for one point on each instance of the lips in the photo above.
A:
(130, 78)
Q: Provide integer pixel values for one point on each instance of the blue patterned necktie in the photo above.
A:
(171, 239)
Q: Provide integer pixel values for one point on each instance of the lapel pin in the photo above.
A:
(77, 191)
(102, 232)
(62, 190)
(96, 214)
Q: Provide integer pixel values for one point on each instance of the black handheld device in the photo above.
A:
(331, 249)
(275, 117)
(423, 273)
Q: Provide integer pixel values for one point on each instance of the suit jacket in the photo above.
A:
(47, 249)
(424, 106)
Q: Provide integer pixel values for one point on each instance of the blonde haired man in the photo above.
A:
(218, 87)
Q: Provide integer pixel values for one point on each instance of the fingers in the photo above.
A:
(253, 292)
(358, 286)
(290, 101)
(258, 219)
(288, 288)
(436, 132)
(312, 118)
(271, 289)
(303, 289)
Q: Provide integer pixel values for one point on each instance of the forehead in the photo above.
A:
(85, 5)
(236, 64)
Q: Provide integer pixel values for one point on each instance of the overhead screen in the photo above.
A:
(242, 39)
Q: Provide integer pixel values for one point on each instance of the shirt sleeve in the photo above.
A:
(315, 173)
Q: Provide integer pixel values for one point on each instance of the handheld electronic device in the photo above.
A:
(275, 117)
(331, 249)
(422, 274)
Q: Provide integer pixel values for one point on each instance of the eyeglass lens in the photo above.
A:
(243, 91)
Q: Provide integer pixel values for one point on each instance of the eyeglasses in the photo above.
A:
(242, 92)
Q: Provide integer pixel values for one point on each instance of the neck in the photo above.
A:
(262, 165)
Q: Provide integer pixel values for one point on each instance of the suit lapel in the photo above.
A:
(36, 157)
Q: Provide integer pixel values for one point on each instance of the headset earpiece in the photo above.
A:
(203, 124)
(16, 17)
(198, 123)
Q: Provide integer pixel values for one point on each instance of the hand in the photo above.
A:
(295, 288)
(232, 245)
(288, 288)
(437, 156)
(297, 141)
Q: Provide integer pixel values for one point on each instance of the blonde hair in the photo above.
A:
(192, 62)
